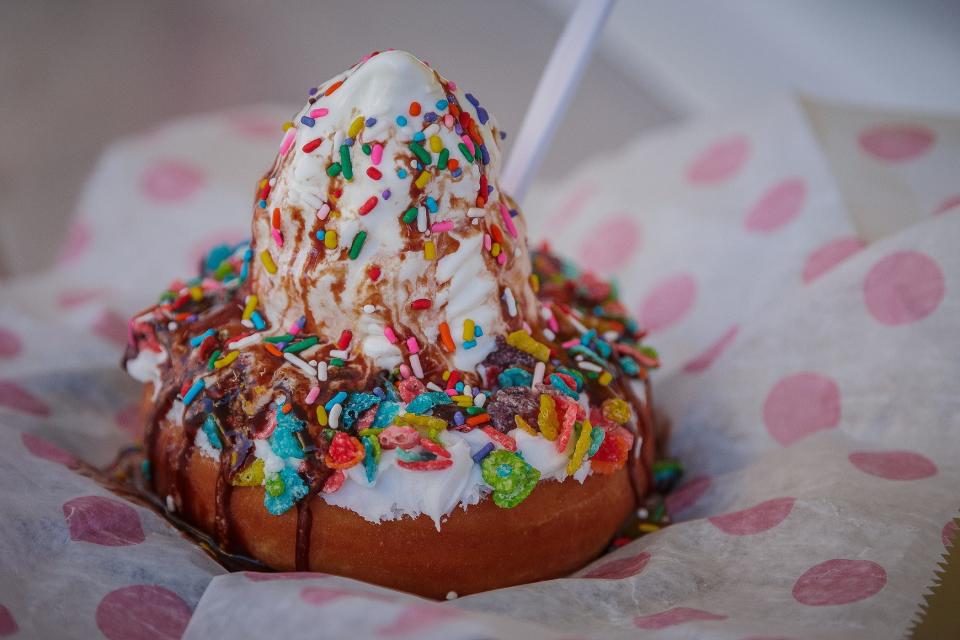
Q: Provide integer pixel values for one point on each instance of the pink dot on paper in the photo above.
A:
(143, 612)
(78, 239)
(720, 161)
(756, 519)
(896, 143)
(8, 626)
(839, 582)
(10, 343)
(417, 618)
(611, 244)
(571, 208)
(48, 451)
(103, 521)
(668, 302)
(167, 181)
(947, 205)
(687, 495)
(778, 206)
(894, 465)
(265, 576)
(903, 287)
(949, 533)
(13, 396)
(319, 596)
(620, 568)
(673, 617)
(112, 327)
(128, 419)
(800, 405)
(703, 361)
(830, 255)
(77, 297)
(253, 124)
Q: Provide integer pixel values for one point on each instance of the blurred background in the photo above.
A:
(78, 75)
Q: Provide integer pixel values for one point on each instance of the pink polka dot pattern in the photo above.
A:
(13, 396)
(620, 568)
(756, 519)
(673, 617)
(417, 618)
(142, 612)
(777, 207)
(949, 533)
(103, 521)
(687, 495)
(894, 465)
(720, 161)
(48, 451)
(947, 205)
(839, 582)
(8, 626)
(611, 244)
(77, 297)
(167, 181)
(253, 124)
(10, 343)
(112, 327)
(800, 405)
(128, 419)
(257, 576)
(703, 361)
(830, 255)
(668, 302)
(897, 142)
(903, 287)
(78, 240)
(571, 208)
(766, 638)
(319, 596)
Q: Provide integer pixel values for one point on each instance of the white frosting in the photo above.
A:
(145, 367)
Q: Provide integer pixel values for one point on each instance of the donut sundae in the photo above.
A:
(385, 383)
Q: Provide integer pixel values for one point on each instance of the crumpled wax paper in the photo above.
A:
(797, 266)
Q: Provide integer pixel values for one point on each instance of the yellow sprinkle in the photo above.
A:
(330, 240)
(605, 378)
(225, 360)
(422, 179)
(268, 262)
(445, 375)
(462, 398)
(196, 293)
(580, 450)
(286, 125)
(250, 307)
(321, 415)
(469, 329)
(429, 250)
(547, 418)
(522, 424)
(647, 527)
(355, 127)
(262, 184)
(495, 249)
(535, 282)
(436, 144)
(522, 340)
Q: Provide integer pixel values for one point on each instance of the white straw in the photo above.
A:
(550, 100)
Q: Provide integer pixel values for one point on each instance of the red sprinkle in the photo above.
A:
(368, 206)
(421, 303)
(313, 144)
(374, 173)
(453, 164)
(333, 87)
(434, 448)
(272, 349)
(414, 108)
(206, 347)
(501, 439)
(496, 233)
(276, 218)
(426, 465)
(454, 379)
(239, 337)
(345, 339)
(374, 272)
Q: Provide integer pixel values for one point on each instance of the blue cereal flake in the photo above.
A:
(211, 431)
(282, 441)
(371, 457)
(356, 405)
(386, 412)
(515, 377)
(426, 401)
(292, 490)
(557, 383)
(596, 439)
(573, 374)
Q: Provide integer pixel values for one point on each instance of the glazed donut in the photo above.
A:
(384, 383)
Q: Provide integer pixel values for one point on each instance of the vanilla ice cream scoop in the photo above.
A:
(382, 217)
